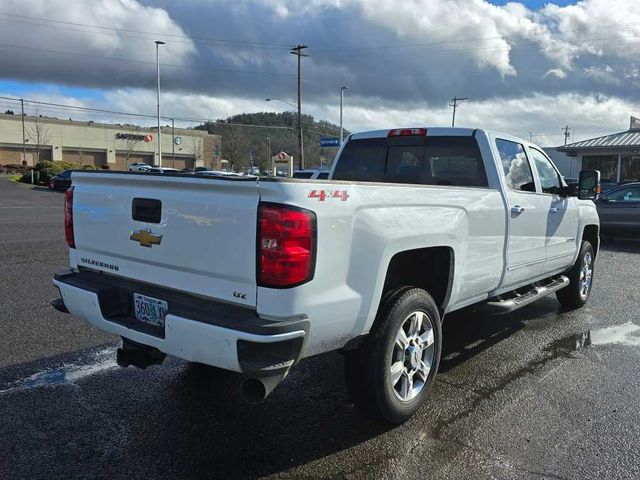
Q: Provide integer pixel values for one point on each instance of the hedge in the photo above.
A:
(51, 169)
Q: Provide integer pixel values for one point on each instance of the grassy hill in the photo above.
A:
(242, 138)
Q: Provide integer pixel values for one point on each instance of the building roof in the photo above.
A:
(626, 139)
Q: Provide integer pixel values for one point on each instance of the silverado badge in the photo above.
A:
(146, 238)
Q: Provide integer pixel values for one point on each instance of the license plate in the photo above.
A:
(149, 310)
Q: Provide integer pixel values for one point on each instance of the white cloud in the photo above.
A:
(540, 69)
(555, 72)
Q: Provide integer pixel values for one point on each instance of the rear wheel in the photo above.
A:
(580, 278)
(390, 374)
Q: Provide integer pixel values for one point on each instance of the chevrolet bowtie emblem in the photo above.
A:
(146, 238)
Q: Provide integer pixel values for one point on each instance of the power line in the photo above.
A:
(143, 62)
(461, 40)
(142, 115)
(154, 34)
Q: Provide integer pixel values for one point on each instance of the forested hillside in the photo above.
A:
(243, 136)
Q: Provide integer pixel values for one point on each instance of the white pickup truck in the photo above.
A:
(253, 274)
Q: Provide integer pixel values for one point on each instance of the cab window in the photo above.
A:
(515, 165)
(547, 174)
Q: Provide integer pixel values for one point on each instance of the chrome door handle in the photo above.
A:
(553, 210)
(517, 209)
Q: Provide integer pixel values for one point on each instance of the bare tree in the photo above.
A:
(235, 146)
(130, 143)
(38, 134)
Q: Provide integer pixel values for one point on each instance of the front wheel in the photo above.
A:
(390, 374)
(580, 279)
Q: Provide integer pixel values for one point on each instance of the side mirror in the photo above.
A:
(589, 184)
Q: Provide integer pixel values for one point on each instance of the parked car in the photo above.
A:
(619, 210)
(162, 170)
(218, 173)
(139, 167)
(414, 224)
(61, 181)
(311, 174)
(607, 185)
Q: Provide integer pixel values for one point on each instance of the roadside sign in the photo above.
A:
(329, 142)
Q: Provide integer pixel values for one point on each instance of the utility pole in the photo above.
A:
(567, 134)
(24, 145)
(298, 52)
(454, 104)
(158, 43)
(531, 136)
(342, 89)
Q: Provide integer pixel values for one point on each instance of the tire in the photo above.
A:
(581, 280)
(415, 356)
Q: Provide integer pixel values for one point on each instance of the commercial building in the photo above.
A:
(99, 144)
(617, 156)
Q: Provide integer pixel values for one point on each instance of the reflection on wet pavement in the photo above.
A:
(625, 334)
(102, 360)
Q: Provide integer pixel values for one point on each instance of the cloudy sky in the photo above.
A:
(529, 66)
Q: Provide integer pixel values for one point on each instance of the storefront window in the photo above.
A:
(607, 164)
(630, 168)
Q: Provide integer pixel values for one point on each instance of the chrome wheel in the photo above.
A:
(586, 274)
(412, 356)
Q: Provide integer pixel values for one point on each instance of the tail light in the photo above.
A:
(406, 132)
(68, 218)
(286, 245)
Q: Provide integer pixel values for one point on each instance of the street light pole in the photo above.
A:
(269, 154)
(173, 143)
(24, 146)
(159, 135)
(342, 89)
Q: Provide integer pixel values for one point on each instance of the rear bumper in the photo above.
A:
(199, 330)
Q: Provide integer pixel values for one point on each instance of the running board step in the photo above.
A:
(506, 305)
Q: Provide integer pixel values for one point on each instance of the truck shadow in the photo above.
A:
(308, 417)
(619, 244)
(184, 421)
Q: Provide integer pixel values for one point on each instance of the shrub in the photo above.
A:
(51, 169)
(26, 177)
(104, 167)
(88, 167)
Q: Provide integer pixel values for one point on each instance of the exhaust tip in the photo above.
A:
(253, 390)
(256, 389)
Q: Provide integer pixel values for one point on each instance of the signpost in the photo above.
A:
(329, 142)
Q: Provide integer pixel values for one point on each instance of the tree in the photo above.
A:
(238, 140)
(235, 146)
(130, 143)
(38, 134)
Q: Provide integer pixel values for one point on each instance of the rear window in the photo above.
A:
(452, 161)
(323, 176)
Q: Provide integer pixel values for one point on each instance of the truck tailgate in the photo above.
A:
(202, 241)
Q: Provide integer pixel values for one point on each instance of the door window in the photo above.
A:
(515, 165)
(547, 174)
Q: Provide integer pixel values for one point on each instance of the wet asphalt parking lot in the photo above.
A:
(539, 393)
